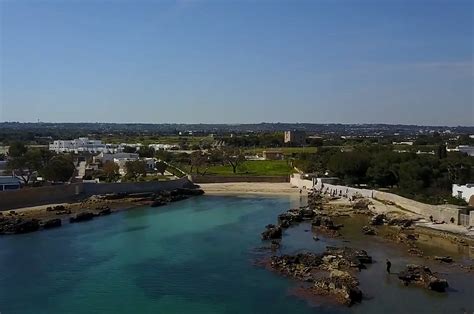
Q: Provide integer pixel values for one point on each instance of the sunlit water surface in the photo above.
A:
(194, 256)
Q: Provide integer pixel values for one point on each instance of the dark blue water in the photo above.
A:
(194, 256)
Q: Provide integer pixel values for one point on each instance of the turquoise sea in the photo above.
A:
(193, 256)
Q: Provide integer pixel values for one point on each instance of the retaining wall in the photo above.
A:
(28, 197)
(438, 212)
(228, 179)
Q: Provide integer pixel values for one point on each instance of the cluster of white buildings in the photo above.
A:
(81, 145)
(86, 145)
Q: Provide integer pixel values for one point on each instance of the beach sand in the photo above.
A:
(250, 188)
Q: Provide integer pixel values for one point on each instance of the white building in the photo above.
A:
(463, 149)
(163, 146)
(82, 144)
(463, 191)
(104, 157)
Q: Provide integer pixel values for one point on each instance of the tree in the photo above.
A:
(59, 169)
(234, 157)
(197, 160)
(129, 149)
(135, 169)
(17, 149)
(146, 152)
(161, 167)
(441, 152)
(111, 171)
(26, 165)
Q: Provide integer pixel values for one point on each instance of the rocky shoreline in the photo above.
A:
(333, 273)
(25, 221)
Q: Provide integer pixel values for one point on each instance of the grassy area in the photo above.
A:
(253, 168)
(285, 150)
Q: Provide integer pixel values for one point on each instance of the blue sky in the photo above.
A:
(379, 61)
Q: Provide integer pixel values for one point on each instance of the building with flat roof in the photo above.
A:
(295, 137)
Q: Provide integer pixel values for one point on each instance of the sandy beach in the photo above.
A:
(250, 188)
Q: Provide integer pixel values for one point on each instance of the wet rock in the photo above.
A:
(402, 222)
(377, 220)
(104, 211)
(52, 223)
(423, 277)
(330, 272)
(444, 259)
(368, 230)
(361, 204)
(25, 226)
(340, 284)
(84, 216)
(14, 225)
(272, 232)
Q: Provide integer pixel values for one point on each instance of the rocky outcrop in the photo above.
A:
(84, 216)
(52, 223)
(378, 220)
(444, 259)
(423, 277)
(272, 232)
(368, 230)
(13, 225)
(326, 225)
(104, 211)
(361, 204)
(329, 273)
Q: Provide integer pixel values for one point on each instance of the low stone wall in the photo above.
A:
(133, 187)
(438, 212)
(342, 190)
(471, 218)
(28, 197)
(229, 179)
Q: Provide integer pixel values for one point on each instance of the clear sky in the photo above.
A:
(379, 61)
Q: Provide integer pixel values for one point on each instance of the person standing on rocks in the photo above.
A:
(389, 265)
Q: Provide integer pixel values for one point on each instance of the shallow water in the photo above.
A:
(194, 256)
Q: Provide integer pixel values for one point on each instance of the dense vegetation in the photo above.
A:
(424, 177)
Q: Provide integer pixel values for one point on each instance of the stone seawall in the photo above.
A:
(229, 179)
(28, 197)
(438, 212)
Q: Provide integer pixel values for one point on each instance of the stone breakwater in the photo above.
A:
(14, 222)
(332, 273)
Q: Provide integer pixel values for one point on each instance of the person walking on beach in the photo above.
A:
(389, 265)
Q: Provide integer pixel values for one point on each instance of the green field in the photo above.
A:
(285, 150)
(253, 168)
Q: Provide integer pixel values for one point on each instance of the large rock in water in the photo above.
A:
(422, 276)
(52, 223)
(84, 216)
(377, 220)
(272, 232)
(25, 226)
